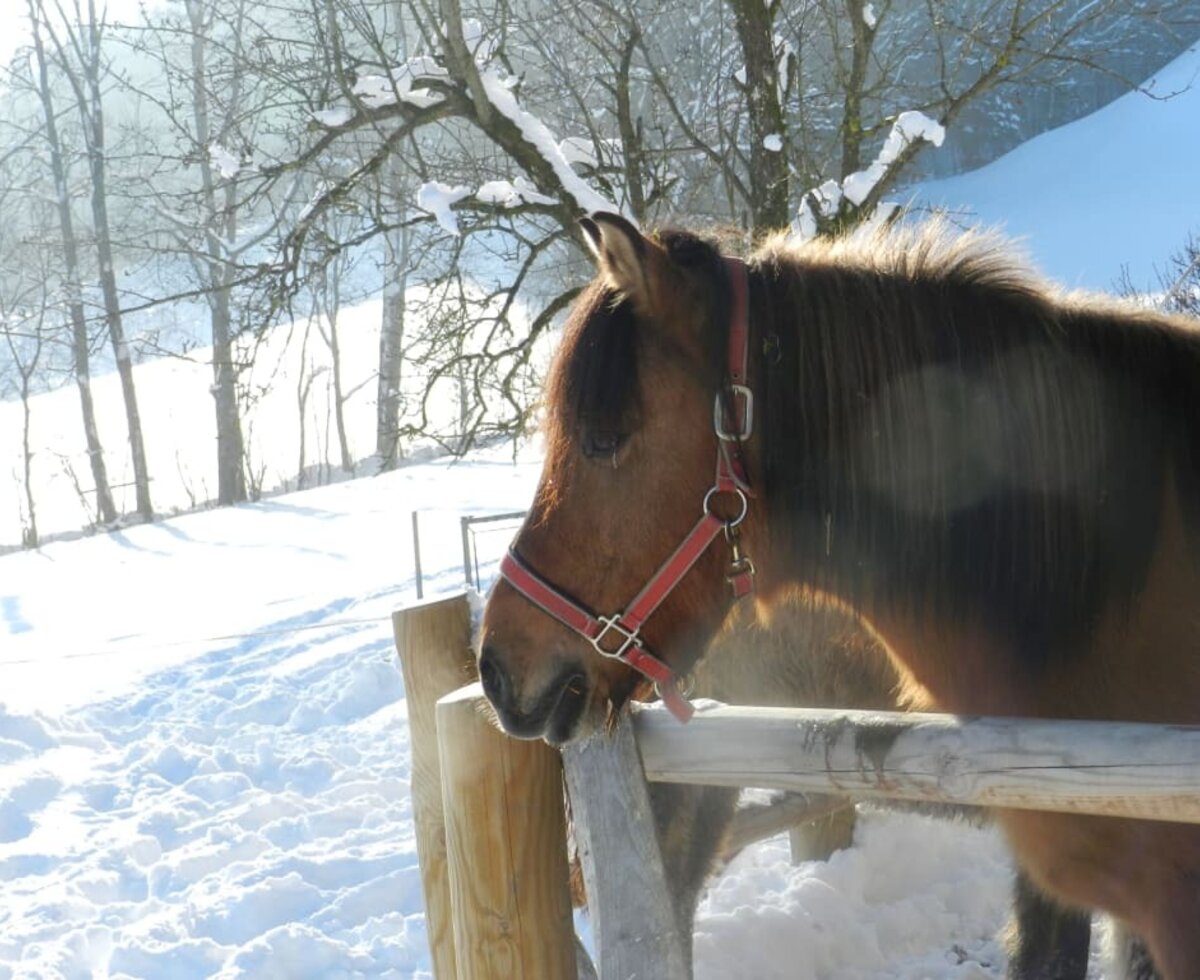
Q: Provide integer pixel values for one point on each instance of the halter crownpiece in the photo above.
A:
(618, 636)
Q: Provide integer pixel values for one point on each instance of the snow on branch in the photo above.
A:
(226, 162)
(439, 200)
(511, 194)
(408, 83)
(827, 204)
(538, 134)
(402, 84)
(908, 128)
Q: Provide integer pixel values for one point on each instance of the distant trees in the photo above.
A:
(256, 151)
(1178, 282)
(26, 325)
(1181, 281)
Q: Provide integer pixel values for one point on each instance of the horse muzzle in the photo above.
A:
(552, 713)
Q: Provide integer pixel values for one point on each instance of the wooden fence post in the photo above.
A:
(632, 912)
(506, 847)
(434, 643)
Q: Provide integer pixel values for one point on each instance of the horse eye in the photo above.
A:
(602, 444)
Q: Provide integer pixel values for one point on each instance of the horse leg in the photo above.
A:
(691, 823)
(1173, 936)
(1129, 959)
(1047, 941)
(1146, 873)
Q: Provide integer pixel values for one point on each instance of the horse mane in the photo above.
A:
(939, 427)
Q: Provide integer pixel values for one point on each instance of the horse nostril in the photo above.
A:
(494, 678)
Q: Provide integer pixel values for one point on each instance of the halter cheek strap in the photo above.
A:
(618, 636)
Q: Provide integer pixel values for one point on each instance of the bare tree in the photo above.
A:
(211, 92)
(23, 323)
(81, 61)
(106, 509)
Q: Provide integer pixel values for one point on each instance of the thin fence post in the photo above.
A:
(465, 523)
(433, 640)
(416, 532)
(506, 848)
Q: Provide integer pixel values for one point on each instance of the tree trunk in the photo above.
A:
(231, 481)
(92, 112)
(852, 120)
(303, 387)
(29, 534)
(768, 167)
(106, 510)
(339, 399)
(391, 345)
(231, 452)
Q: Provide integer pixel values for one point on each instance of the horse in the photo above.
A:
(999, 479)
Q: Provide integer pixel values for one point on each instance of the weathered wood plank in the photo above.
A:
(433, 640)
(506, 845)
(633, 919)
(1107, 768)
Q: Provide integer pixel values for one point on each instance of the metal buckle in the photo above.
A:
(628, 639)
(741, 496)
(745, 416)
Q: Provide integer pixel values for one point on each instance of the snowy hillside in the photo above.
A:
(1114, 190)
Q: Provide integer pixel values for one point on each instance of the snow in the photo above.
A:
(226, 162)
(578, 150)
(335, 117)
(773, 142)
(204, 772)
(400, 85)
(511, 193)
(499, 93)
(1110, 191)
(205, 762)
(870, 18)
(379, 90)
(438, 199)
(908, 127)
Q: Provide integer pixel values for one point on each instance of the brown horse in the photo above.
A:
(1002, 482)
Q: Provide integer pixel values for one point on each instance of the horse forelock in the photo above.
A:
(594, 383)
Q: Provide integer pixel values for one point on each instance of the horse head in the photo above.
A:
(630, 450)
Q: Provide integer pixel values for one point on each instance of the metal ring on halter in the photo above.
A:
(740, 495)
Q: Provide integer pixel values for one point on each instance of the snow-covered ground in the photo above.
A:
(204, 758)
(204, 754)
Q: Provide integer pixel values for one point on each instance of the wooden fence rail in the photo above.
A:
(1106, 768)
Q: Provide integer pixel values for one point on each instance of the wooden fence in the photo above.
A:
(489, 810)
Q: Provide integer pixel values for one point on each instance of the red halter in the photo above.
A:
(617, 635)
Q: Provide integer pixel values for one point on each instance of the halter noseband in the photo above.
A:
(618, 636)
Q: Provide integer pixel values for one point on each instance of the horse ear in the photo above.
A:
(622, 252)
